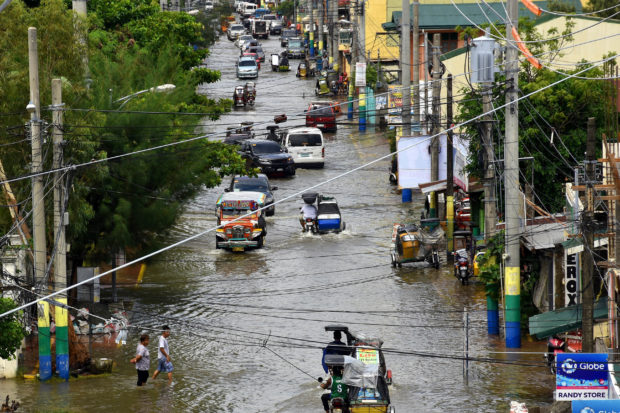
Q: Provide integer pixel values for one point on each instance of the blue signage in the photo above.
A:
(581, 376)
(596, 406)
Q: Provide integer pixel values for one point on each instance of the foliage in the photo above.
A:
(565, 107)
(371, 76)
(129, 202)
(490, 274)
(12, 330)
(286, 8)
(595, 5)
(560, 6)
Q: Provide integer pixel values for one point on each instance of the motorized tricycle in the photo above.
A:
(463, 255)
(364, 373)
(328, 218)
(302, 69)
(249, 93)
(412, 243)
(239, 96)
(327, 83)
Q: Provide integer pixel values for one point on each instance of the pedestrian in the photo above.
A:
(142, 360)
(164, 363)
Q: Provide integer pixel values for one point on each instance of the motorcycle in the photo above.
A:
(571, 343)
(310, 226)
(462, 269)
(239, 97)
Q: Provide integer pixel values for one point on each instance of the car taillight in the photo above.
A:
(323, 152)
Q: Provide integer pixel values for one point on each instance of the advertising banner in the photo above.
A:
(581, 376)
(596, 406)
(360, 74)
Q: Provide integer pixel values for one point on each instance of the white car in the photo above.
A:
(208, 5)
(306, 146)
(242, 40)
(235, 31)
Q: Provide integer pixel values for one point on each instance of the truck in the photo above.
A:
(260, 28)
(241, 224)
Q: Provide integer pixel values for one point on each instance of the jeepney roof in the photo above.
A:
(258, 197)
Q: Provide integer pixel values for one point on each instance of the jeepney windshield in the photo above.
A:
(236, 212)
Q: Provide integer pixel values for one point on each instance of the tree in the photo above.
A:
(286, 8)
(596, 5)
(565, 107)
(12, 330)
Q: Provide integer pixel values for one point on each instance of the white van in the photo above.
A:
(306, 146)
(248, 9)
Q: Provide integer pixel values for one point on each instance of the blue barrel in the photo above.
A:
(406, 195)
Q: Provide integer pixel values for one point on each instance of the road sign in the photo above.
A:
(360, 74)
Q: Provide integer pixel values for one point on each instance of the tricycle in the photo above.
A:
(359, 366)
(463, 255)
(249, 93)
(328, 218)
(412, 243)
(239, 96)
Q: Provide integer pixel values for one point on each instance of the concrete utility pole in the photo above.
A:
(321, 20)
(311, 35)
(449, 176)
(416, 66)
(426, 128)
(490, 212)
(436, 120)
(405, 62)
(587, 222)
(38, 205)
(512, 263)
(361, 23)
(334, 33)
(353, 52)
(60, 258)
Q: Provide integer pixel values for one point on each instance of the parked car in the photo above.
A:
(247, 68)
(235, 31)
(306, 145)
(259, 183)
(242, 40)
(267, 155)
(287, 34)
(295, 48)
(321, 115)
(258, 50)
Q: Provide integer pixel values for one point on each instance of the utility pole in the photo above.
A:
(405, 61)
(311, 35)
(38, 206)
(416, 66)
(587, 222)
(426, 128)
(60, 258)
(353, 52)
(321, 18)
(490, 213)
(450, 176)
(436, 120)
(334, 32)
(512, 263)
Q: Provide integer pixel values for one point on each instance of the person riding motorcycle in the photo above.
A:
(308, 211)
(249, 92)
(339, 390)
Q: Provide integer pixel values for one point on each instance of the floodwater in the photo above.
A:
(247, 328)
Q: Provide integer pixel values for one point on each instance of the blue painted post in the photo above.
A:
(370, 106)
(362, 109)
(492, 316)
(406, 195)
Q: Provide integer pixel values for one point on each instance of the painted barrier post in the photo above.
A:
(371, 105)
(513, 307)
(362, 109)
(45, 348)
(492, 316)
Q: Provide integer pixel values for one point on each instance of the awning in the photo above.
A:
(437, 186)
(575, 245)
(563, 320)
(544, 236)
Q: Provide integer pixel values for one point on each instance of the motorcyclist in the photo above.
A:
(308, 211)
(284, 59)
(338, 388)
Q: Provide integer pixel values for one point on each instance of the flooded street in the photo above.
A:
(247, 329)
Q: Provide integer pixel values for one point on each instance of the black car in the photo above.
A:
(267, 155)
(287, 34)
(259, 183)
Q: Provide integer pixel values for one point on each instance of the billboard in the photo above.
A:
(581, 376)
(414, 161)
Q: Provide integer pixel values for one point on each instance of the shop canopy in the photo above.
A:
(563, 320)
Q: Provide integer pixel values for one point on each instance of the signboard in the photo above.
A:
(368, 355)
(571, 279)
(381, 102)
(239, 204)
(360, 74)
(414, 161)
(596, 406)
(581, 376)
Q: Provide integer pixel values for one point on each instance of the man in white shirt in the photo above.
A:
(163, 355)
(307, 211)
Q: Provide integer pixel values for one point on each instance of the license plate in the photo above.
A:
(320, 125)
(305, 155)
(237, 249)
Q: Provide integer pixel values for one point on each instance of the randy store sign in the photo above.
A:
(581, 376)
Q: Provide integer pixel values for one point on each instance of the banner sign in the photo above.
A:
(367, 355)
(596, 406)
(571, 280)
(360, 74)
(581, 376)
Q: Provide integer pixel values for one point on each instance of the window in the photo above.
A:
(449, 42)
(305, 140)
(247, 63)
(266, 147)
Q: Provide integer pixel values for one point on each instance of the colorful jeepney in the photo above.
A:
(240, 223)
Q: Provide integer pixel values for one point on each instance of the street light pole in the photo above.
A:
(156, 89)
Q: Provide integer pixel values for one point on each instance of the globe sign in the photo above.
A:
(587, 410)
(569, 366)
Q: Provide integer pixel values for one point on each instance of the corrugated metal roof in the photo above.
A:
(544, 236)
(447, 16)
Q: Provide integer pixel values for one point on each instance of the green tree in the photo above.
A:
(596, 5)
(286, 8)
(12, 331)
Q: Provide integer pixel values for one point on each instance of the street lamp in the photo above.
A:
(157, 89)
